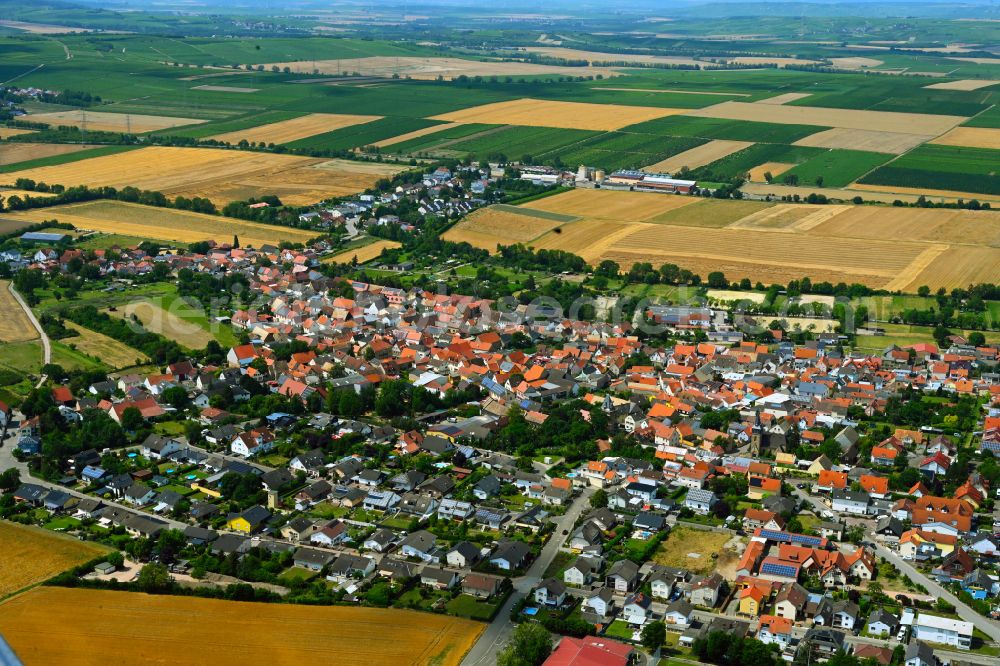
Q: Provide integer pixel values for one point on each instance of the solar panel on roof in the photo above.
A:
(776, 569)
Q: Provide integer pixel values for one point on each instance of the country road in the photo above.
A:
(984, 624)
(498, 632)
(46, 345)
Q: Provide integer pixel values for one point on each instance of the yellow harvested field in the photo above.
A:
(699, 155)
(933, 225)
(943, 195)
(956, 267)
(110, 122)
(783, 98)
(884, 194)
(162, 629)
(769, 60)
(711, 213)
(964, 84)
(8, 192)
(32, 555)
(294, 129)
(429, 69)
(856, 62)
(42, 28)
(780, 217)
(169, 323)
(883, 121)
(14, 325)
(774, 168)
(590, 238)
(730, 295)
(677, 92)
(488, 227)
(611, 204)
(973, 137)
(599, 58)
(895, 143)
(217, 174)
(106, 350)
(415, 134)
(362, 254)
(12, 153)
(7, 132)
(568, 115)
(167, 224)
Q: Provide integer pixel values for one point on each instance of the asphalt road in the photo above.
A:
(46, 346)
(498, 632)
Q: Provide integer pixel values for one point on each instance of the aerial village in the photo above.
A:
(585, 479)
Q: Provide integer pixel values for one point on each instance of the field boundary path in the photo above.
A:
(498, 631)
(46, 345)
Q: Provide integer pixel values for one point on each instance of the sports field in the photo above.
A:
(294, 129)
(32, 555)
(567, 115)
(14, 325)
(170, 630)
(882, 121)
(109, 122)
(167, 224)
(219, 175)
(179, 322)
(107, 350)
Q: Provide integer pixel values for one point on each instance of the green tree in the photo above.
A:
(599, 499)
(654, 635)
(530, 645)
(10, 480)
(132, 419)
(153, 578)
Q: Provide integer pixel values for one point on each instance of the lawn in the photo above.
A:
(293, 575)
(468, 606)
(691, 549)
(558, 564)
(620, 629)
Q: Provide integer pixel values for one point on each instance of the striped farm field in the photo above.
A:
(883, 121)
(698, 156)
(166, 224)
(363, 253)
(162, 629)
(32, 555)
(611, 204)
(109, 122)
(219, 175)
(567, 115)
(894, 143)
(294, 129)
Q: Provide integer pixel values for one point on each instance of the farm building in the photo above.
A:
(43, 237)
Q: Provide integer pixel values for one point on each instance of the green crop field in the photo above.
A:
(942, 168)
(432, 141)
(717, 128)
(739, 163)
(232, 125)
(837, 167)
(362, 135)
(619, 150)
(514, 142)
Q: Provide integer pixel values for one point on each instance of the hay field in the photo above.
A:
(487, 227)
(895, 143)
(882, 193)
(699, 155)
(168, 323)
(786, 217)
(934, 225)
(955, 267)
(220, 175)
(566, 115)
(179, 226)
(14, 325)
(964, 84)
(973, 137)
(173, 630)
(883, 121)
(589, 238)
(611, 204)
(7, 132)
(294, 129)
(784, 98)
(415, 134)
(429, 69)
(889, 192)
(107, 350)
(363, 253)
(711, 213)
(774, 168)
(12, 153)
(32, 555)
(110, 122)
